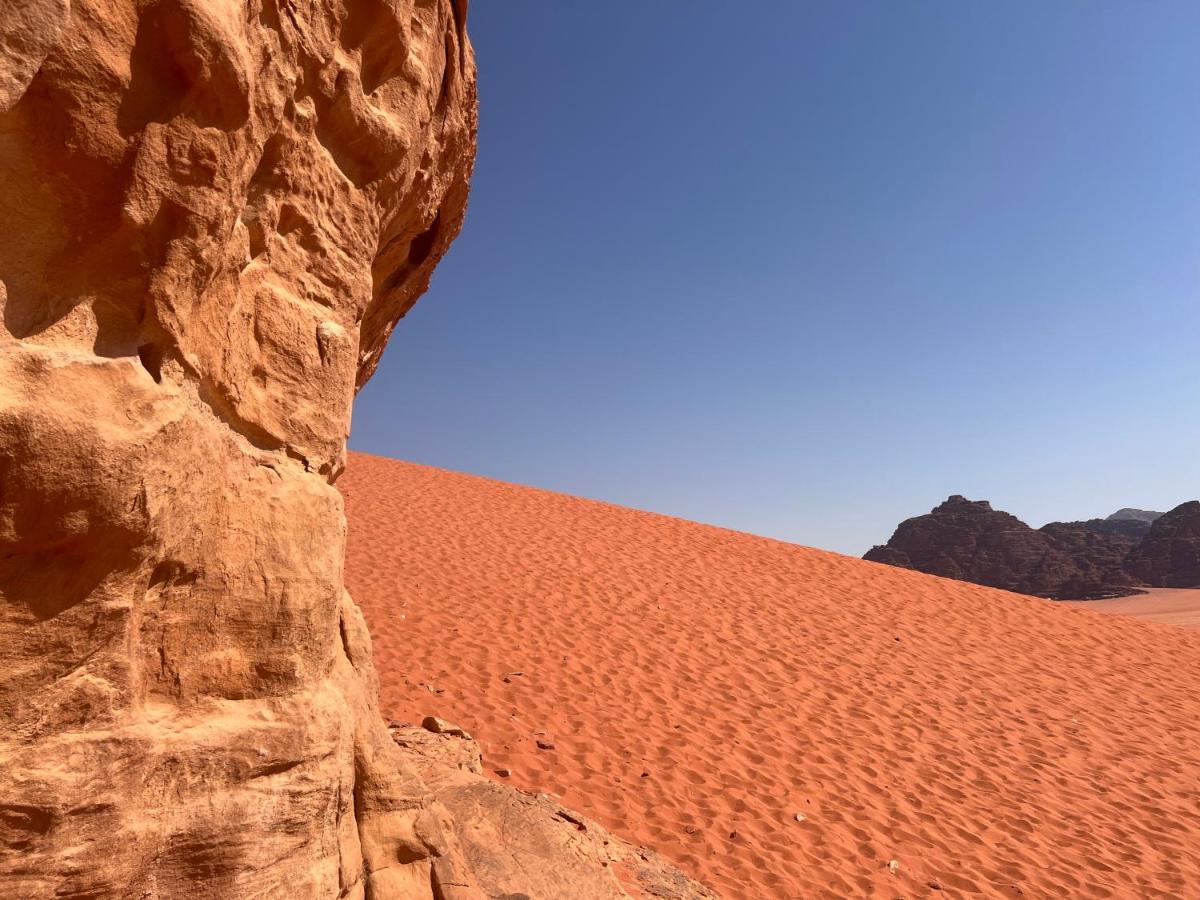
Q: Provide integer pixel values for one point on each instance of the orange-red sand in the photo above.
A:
(701, 687)
(1171, 606)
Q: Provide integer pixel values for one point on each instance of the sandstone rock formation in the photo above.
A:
(1096, 550)
(1135, 529)
(1127, 513)
(1169, 555)
(970, 541)
(516, 844)
(216, 211)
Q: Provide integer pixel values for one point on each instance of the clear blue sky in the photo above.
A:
(804, 269)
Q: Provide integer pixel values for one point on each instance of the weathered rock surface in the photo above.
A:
(216, 211)
(1126, 513)
(1135, 529)
(1096, 550)
(515, 844)
(970, 541)
(1169, 555)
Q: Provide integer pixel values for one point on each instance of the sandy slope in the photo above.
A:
(1171, 606)
(701, 687)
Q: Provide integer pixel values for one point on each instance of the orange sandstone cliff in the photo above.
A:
(215, 213)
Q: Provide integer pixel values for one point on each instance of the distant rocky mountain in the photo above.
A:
(967, 540)
(1141, 515)
(1130, 528)
(1169, 555)
(1098, 555)
(970, 541)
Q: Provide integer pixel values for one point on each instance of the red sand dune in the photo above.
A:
(1171, 606)
(701, 687)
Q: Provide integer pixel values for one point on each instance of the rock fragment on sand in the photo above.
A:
(441, 726)
(545, 744)
(503, 773)
(893, 866)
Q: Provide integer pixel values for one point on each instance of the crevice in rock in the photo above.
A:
(276, 768)
(211, 395)
(422, 245)
(21, 824)
(460, 9)
(151, 357)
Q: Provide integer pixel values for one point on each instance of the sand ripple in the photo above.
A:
(702, 687)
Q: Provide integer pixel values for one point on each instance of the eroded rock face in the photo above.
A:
(1129, 513)
(1134, 529)
(511, 843)
(1169, 555)
(215, 212)
(1096, 550)
(970, 541)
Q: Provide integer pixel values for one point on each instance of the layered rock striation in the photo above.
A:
(969, 541)
(1095, 552)
(217, 210)
(1169, 554)
(1129, 513)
